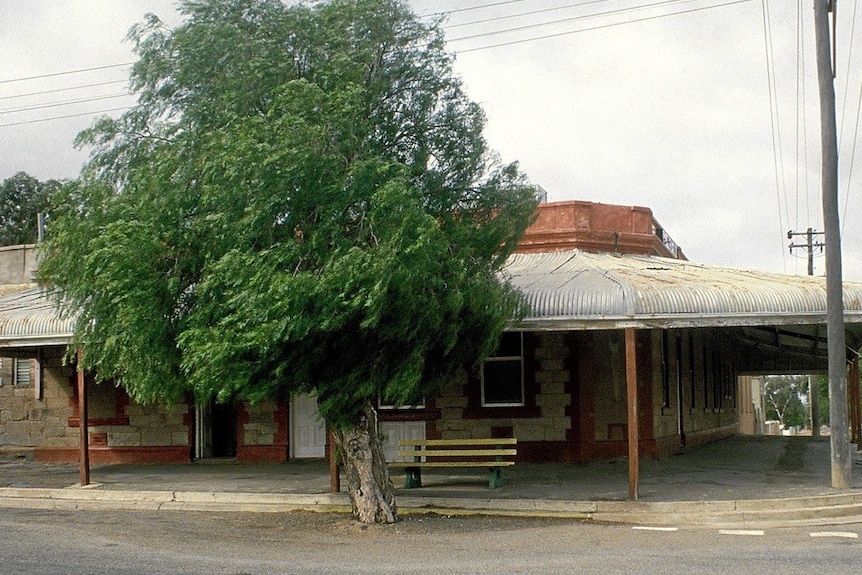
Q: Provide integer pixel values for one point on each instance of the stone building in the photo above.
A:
(615, 310)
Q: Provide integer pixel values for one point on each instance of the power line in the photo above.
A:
(66, 103)
(610, 12)
(585, 16)
(520, 14)
(39, 120)
(471, 8)
(598, 27)
(777, 161)
(856, 128)
(799, 111)
(67, 89)
(67, 72)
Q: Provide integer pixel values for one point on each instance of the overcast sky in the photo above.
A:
(657, 103)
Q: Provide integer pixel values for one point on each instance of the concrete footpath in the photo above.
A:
(740, 481)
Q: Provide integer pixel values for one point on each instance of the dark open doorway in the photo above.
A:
(216, 430)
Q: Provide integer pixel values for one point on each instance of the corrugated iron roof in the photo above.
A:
(580, 290)
(30, 319)
(575, 290)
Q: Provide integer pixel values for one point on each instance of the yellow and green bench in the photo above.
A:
(492, 454)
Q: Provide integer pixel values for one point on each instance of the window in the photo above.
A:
(21, 375)
(503, 373)
(386, 403)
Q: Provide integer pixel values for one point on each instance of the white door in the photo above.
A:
(308, 431)
(395, 431)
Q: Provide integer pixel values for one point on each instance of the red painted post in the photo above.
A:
(332, 455)
(632, 399)
(83, 427)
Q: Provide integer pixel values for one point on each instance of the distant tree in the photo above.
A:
(22, 198)
(302, 201)
(783, 394)
(823, 396)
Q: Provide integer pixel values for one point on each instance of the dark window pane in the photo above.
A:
(510, 345)
(502, 382)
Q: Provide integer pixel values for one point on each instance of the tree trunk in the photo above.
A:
(371, 493)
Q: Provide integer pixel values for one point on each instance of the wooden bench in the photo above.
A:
(488, 453)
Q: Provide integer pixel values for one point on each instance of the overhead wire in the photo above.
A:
(472, 8)
(777, 155)
(40, 120)
(64, 103)
(65, 73)
(856, 127)
(522, 14)
(65, 89)
(629, 9)
(594, 15)
(592, 28)
(804, 75)
(798, 50)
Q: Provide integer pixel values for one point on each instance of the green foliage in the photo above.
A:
(783, 395)
(823, 397)
(22, 199)
(302, 199)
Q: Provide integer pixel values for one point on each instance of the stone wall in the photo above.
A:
(28, 422)
(260, 427)
(158, 425)
(45, 425)
(262, 434)
(18, 266)
(546, 422)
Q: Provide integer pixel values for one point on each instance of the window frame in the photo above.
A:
(500, 359)
(381, 404)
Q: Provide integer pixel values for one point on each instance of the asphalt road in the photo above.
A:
(143, 543)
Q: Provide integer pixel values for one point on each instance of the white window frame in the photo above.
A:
(381, 404)
(508, 358)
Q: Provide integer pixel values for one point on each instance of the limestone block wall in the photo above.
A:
(148, 426)
(543, 419)
(30, 420)
(553, 377)
(260, 427)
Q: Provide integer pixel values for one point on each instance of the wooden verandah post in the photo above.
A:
(83, 427)
(632, 401)
(332, 456)
(854, 402)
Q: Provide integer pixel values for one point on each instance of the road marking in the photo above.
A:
(756, 532)
(645, 528)
(844, 534)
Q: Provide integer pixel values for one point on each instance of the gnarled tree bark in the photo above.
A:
(371, 492)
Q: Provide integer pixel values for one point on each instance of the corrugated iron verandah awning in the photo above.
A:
(574, 290)
(31, 319)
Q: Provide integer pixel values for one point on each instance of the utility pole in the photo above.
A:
(809, 245)
(839, 437)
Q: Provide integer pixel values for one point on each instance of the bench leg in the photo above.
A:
(495, 477)
(412, 477)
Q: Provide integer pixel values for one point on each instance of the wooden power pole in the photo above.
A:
(840, 436)
(809, 245)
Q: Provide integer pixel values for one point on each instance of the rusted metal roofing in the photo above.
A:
(30, 319)
(580, 290)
